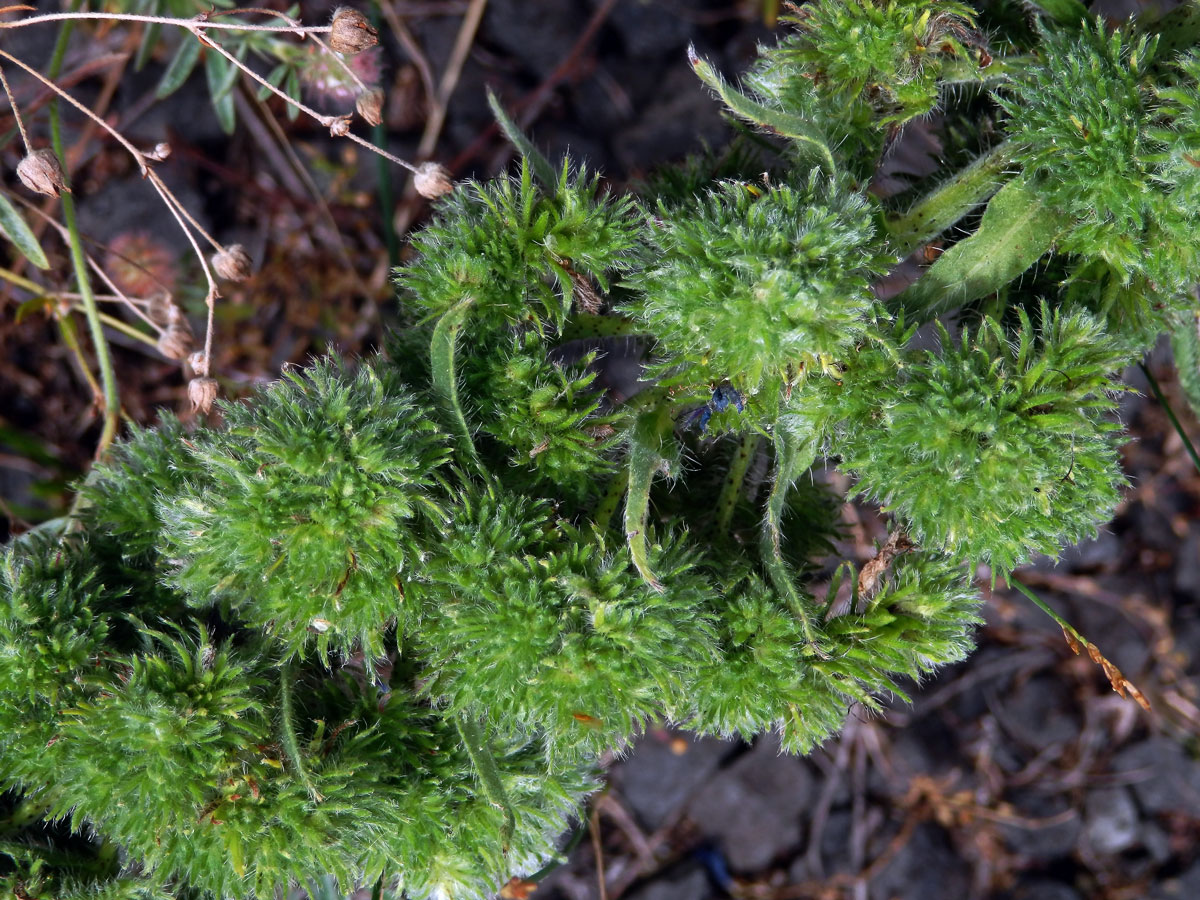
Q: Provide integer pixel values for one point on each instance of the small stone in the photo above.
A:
(690, 884)
(432, 181)
(202, 392)
(1110, 820)
(656, 780)
(1046, 890)
(1163, 777)
(753, 808)
(351, 32)
(232, 263)
(41, 173)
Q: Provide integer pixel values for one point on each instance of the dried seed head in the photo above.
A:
(159, 308)
(351, 32)
(339, 126)
(202, 392)
(232, 263)
(370, 106)
(160, 152)
(41, 173)
(199, 362)
(432, 181)
(176, 342)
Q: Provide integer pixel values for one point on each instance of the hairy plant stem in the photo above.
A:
(731, 490)
(112, 398)
(443, 347)
(951, 200)
(608, 504)
(485, 769)
(287, 729)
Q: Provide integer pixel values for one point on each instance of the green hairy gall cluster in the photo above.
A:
(309, 538)
(385, 620)
(759, 281)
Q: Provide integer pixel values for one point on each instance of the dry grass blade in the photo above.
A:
(1119, 682)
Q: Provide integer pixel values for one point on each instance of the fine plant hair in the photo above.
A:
(384, 622)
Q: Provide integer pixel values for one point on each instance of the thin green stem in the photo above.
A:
(442, 349)
(651, 433)
(126, 329)
(112, 398)
(1158, 394)
(791, 458)
(731, 490)
(1046, 608)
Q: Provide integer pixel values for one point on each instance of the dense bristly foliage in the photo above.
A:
(382, 623)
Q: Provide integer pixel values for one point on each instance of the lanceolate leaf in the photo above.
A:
(222, 75)
(1017, 229)
(445, 376)
(15, 229)
(651, 430)
(792, 456)
(950, 201)
(181, 66)
(545, 172)
(783, 123)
